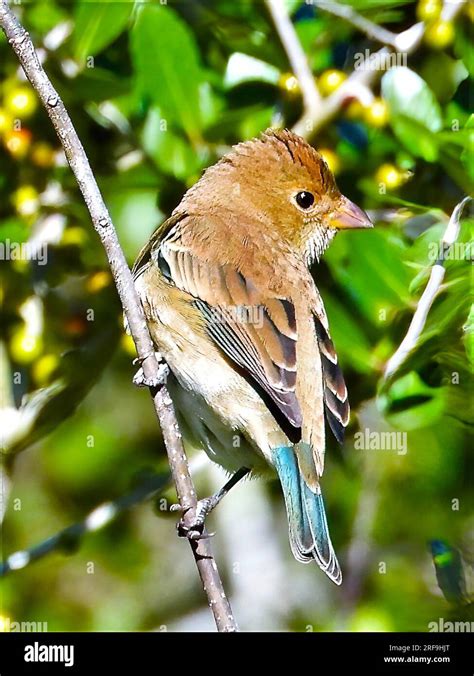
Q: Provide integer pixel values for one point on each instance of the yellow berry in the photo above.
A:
(25, 347)
(6, 121)
(74, 236)
(331, 159)
(21, 101)
(355, 110)
(44, 368)
(98, 281)
(289, 84)
(127, 344)
(330, 80)
(429, 10)
(18, 142)
(390, 176)
(377, 114)
(43, 155)
(26, 200)
(439, 34)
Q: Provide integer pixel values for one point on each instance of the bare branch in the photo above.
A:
(296, 56)
(371, 29)
(69, 539)
(25, 51)
(366, 75)
(429, 294)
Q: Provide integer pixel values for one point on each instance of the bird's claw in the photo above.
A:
(193, 533)
(195, 529)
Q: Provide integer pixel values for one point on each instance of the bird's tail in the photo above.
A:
(308, 527)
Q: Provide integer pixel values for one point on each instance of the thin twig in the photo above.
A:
(429, 294)
(371, 29)
(296, 56)
(69, 538)
(367, 73)
(25, 51)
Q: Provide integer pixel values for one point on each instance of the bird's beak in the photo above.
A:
(349, 215)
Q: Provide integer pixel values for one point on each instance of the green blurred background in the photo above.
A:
(157, 93)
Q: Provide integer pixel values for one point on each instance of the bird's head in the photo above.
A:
(279, 179)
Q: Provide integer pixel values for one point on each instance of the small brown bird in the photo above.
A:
(233, 309)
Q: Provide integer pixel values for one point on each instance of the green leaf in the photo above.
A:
(410, 404)
(468, 337)
(97, 24)
(252, 125)
(172, 154)
(453, 73)
(43, 410)
(98, 84)
(467, 155)
(44, 15)
(463, 47)
(369, 266)
(291, 5)
(458, 166)
(167, 66)
(351, 343)
(14, 230)
(416, 138)
(135, 215)
(408, 94)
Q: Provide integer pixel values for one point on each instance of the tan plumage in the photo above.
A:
(234, 310)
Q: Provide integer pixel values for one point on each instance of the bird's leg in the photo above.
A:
(194, 531)
(140, 380)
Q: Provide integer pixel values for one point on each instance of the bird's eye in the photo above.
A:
(305, 199)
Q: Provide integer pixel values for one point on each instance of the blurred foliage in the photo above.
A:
(157, 93)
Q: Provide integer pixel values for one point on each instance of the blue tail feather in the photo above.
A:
(308, 528)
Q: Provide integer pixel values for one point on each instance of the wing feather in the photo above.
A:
(257, 331)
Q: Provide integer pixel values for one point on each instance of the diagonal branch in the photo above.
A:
(69, 538)
(296, 56)
(371, 29)
(25, 51)
(429, 294)
(367, 73)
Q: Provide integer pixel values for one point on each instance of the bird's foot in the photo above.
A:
(140, 380)
(195, 529)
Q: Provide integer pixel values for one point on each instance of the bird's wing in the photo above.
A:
(255, 330)
(166, 229)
